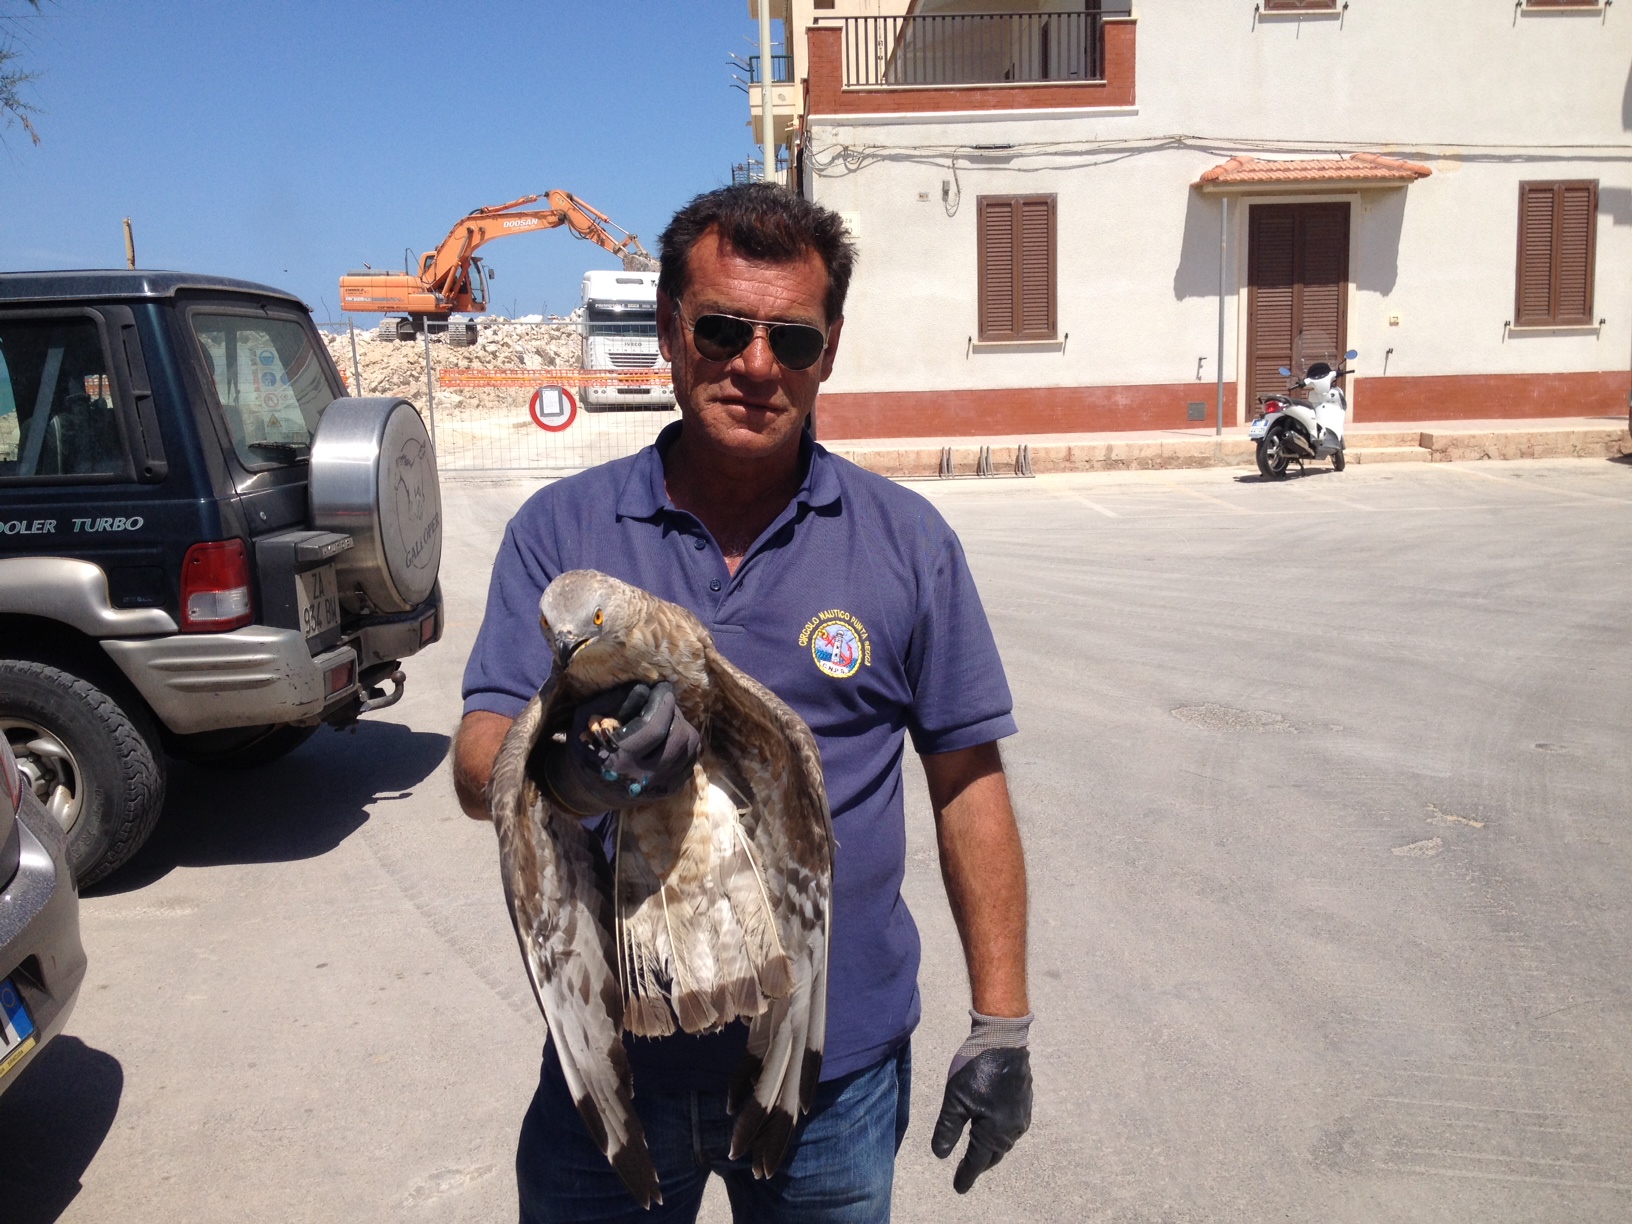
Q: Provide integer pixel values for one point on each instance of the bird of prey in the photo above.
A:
(715, 904)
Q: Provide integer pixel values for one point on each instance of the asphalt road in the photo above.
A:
(1325, 788)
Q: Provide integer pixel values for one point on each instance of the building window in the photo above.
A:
(1016, 267)
(1300, 6)
(1592, 4)
(1557, 227)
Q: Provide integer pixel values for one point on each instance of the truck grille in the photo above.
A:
(633, 361)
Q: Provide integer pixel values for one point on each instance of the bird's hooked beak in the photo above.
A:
(563, 642)
(566, 646)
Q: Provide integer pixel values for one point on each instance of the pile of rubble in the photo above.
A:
(397, 368)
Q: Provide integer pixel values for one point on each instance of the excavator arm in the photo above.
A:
(448, 278)
(443, 269)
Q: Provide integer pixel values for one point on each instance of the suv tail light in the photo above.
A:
(215, 587)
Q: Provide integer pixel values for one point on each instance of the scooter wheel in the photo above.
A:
(1339, 460)
(1272, 456)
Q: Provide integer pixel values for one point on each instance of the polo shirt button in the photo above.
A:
(715, 585)
(699, 543)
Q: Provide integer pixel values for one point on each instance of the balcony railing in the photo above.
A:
(975, 48)
(781, 70)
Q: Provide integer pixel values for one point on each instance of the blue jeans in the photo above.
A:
(839, 1169)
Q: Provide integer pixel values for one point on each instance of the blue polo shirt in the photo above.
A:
(856, 607)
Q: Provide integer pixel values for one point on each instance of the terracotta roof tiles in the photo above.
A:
(1368, 167)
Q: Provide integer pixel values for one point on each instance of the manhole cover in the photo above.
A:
(1226, 718)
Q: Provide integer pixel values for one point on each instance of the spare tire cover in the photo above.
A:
(373, 476)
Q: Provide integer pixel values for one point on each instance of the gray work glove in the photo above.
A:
(988, 1086)
(648, 756)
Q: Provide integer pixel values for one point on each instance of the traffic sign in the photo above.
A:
(552, 408)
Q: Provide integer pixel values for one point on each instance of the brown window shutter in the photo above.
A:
(1036, 320)
(1577, 221)
(996, 222)
(1016, 264)
(1558, 225)
(1537, 208)
(1299, 6)
(1324, 270)
(1272, 247)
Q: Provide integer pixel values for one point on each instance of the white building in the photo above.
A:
(1039, 195)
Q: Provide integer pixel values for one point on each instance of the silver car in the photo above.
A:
(42, 961)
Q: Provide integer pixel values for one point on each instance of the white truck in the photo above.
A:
(620, 333)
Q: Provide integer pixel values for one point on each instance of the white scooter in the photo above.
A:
(1293, 429)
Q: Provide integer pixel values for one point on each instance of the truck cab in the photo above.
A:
(207, 551)
(620, 333)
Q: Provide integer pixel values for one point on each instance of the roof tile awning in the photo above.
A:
(1311, 173)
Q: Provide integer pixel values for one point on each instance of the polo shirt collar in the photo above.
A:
(644, 495)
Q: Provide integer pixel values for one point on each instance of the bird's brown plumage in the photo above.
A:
(718, 902)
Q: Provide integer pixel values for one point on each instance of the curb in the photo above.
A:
(923, 459)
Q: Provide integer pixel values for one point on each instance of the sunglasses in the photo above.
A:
(720, 337)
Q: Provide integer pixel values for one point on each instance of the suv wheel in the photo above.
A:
(93, 765)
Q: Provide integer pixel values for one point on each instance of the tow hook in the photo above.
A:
(375, 698)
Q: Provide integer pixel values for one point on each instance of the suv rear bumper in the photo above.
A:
(259, 675)
(40, 949)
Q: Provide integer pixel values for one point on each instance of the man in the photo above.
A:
(849, 597)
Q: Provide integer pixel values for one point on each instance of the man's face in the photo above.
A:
(751, 405)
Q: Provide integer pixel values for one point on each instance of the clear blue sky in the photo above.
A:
(289, 141)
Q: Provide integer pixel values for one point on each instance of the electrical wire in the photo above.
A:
(842, 159)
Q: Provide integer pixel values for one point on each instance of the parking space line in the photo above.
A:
(1465, 470)
(1092, 505)
(1340, 501)
(1207, 497)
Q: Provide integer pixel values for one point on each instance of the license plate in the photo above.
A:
(16, 1029)
(319, 600)
(1257, 429)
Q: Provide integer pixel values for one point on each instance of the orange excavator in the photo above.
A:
(452, 279)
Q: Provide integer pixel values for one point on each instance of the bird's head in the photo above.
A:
(582, 609)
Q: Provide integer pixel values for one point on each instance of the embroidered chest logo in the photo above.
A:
(838, 643)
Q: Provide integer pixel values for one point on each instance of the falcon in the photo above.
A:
(715, 904)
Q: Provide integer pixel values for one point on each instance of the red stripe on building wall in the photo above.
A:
(1472, 397)
(1015, 410)
(1062, 410)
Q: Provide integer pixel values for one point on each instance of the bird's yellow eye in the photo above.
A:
(598, 617)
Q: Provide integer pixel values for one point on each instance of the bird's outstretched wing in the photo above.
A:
(563, 922)
(788, 824)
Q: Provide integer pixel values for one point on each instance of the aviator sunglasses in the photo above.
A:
(720, 337)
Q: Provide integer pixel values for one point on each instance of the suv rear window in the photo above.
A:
(269, 380)
(56, 401)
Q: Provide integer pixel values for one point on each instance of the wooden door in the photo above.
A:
(1297, 281)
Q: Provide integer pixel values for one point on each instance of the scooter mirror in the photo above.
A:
(1351, 355)
(1285, 373)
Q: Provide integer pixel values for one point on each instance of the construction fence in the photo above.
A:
(544, 421)
(517, 402)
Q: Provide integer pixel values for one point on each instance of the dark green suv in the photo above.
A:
(206, 550)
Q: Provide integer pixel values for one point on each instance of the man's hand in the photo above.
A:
(989, 1084)
(648, 745)
(628, 745)
(989, 1088)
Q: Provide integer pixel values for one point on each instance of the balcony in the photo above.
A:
(972, 61)
(781, 70)
(973, 49)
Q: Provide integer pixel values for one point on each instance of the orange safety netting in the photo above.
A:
(453, 377)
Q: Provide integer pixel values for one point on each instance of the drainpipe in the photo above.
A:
(1223, 240)
(767, 121)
